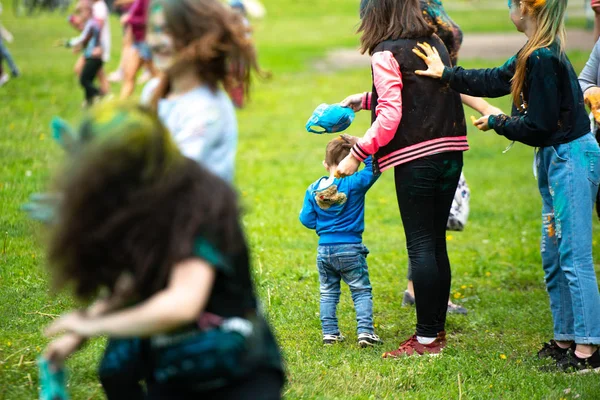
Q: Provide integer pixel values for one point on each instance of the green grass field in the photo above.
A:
(496, 261)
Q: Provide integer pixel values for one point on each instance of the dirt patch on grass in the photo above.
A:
(482, 46)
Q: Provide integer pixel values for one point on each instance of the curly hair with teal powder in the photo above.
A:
(133, 204)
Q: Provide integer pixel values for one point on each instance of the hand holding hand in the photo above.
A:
(347, 167)
(435, 66)
(353, 101)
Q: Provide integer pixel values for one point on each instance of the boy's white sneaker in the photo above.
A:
(368, 339)
(333, 339)
(4, 78)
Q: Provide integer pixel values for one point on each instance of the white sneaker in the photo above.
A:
(145, 77)
(333, 339)
(116, 76)
(4, 78)
(368, 339)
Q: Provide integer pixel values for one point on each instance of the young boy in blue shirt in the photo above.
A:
(335, 208)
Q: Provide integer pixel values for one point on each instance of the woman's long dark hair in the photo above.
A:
(383, 20)
(133, 203)
(212, 36)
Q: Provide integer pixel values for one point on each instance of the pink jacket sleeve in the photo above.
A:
(388, 83)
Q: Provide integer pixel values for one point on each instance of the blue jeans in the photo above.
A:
(347, 262)
(568, 178)
(5, 54)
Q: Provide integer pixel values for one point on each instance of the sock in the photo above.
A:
(579, 354)
(563, 345)
(425, 340)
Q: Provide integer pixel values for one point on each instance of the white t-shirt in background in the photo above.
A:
(100, 12)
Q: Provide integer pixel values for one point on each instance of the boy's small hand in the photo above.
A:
(59, 43)
(354, 102)
(347, 167)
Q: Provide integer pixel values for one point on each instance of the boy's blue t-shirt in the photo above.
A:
(336, 210)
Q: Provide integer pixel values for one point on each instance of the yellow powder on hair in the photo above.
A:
(539, 3)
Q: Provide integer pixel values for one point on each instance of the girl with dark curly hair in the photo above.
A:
(160, 235)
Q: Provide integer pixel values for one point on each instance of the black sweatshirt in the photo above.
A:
(554, 112)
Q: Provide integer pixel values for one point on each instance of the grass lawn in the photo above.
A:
(496, 261)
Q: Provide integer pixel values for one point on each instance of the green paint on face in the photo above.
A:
(156, 12)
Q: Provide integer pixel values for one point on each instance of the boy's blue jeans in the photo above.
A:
(346, 262)
(568, 178)
(5, 54)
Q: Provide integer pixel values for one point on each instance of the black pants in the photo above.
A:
(88, 75)
(264, 384)
(126, 364)
(425, 190)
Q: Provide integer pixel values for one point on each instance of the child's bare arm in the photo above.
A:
(61, 348)
(180, 303)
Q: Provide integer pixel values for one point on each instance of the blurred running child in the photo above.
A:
(202, 49)
(162, 236)
(5, 35)
(89, 42)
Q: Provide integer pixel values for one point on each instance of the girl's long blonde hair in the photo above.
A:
(549, 16)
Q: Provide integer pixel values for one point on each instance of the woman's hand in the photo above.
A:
(354, 102)
(592, 99)
(347, 167)
(74, 322)
(482, 123)
(350, 139)
(60, 349)
(435, 66)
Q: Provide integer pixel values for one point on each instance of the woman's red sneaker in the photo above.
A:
(412, 347)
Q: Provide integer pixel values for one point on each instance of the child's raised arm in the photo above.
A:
(81, 40)
(365, 178)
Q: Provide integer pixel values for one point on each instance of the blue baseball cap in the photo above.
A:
(330, 119)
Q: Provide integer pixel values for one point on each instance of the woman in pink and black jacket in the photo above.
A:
(418, 129)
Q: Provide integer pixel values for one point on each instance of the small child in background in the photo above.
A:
(335, 208)
(5, 54)
(90, 43)
(237, 92)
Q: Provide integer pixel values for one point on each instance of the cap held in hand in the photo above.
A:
(330, 119)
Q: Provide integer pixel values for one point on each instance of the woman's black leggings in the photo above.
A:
(425, 190)
(88, 75)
